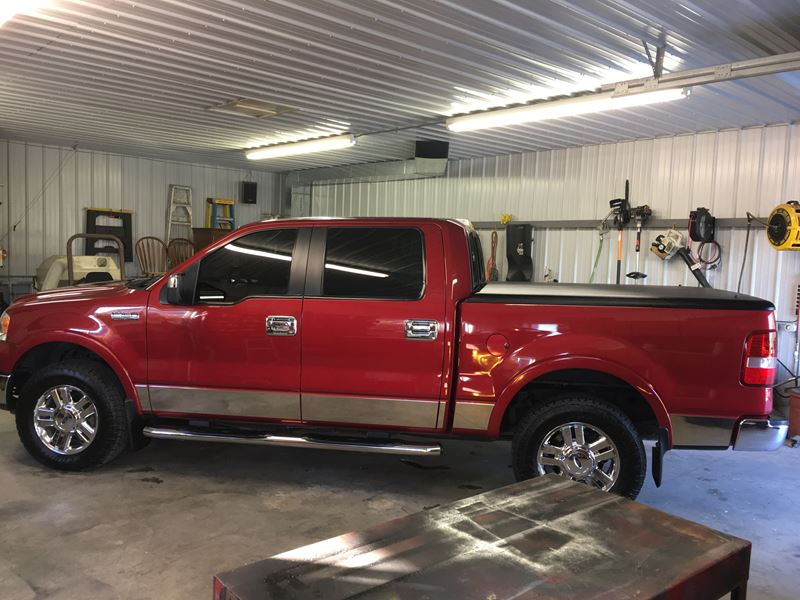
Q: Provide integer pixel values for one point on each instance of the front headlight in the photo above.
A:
(5, 321)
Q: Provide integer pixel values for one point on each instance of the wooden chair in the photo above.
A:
(179, 250)
(151, 253)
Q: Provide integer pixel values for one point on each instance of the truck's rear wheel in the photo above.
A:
(584, 439)
(71, 415)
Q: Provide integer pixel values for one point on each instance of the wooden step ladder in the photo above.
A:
(179, 213)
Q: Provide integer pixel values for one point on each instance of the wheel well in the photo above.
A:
(41, 356)
(599, 384)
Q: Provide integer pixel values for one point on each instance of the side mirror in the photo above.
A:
(173, 287)
(179, 289)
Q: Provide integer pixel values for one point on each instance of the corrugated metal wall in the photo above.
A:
(45, 189)
(730, 172)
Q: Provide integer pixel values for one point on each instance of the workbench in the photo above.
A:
(543, 538)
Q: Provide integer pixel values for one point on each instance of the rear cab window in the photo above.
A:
(477, 268)
(374, 262)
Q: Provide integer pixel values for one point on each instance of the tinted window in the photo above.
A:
(379, 262)
(476, 260)
(254, 265)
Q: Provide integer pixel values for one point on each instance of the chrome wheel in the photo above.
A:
(580, 452)
(65, 419)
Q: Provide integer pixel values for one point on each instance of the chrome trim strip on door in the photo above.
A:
(239, 403)
(694, 431)
(472, 415)
(440, 415)
(370, 411)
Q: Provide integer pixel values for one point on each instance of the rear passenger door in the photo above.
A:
(373, 327)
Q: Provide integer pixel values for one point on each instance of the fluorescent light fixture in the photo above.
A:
(250, 107)
(254, 252)
(355, 271)
(336, 142)
(559, 109)
(9, 8)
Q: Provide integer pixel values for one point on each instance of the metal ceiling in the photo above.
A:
(137, 76)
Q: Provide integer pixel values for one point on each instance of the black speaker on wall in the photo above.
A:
(518, 252)
(249, 192)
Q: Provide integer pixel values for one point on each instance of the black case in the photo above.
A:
(518, 252)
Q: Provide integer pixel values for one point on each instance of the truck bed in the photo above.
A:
(657, 296)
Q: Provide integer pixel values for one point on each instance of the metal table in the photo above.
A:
(543, 538)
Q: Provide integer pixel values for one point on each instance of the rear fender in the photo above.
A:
(592, 363)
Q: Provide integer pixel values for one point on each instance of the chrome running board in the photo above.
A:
(349, 445)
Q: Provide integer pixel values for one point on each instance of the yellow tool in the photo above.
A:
(783, 226)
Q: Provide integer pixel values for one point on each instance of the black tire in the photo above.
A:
(598, 414)
(100, 385)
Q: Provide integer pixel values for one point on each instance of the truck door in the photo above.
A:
(373, 326)
(236, 351)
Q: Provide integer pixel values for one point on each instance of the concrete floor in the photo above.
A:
(161, 522)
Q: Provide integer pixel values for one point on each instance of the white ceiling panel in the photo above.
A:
(138, 76)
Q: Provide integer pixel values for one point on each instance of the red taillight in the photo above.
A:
(759, 364)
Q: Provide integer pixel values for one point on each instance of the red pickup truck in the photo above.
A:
(341, 333)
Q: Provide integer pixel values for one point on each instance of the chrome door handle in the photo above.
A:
(420, 329)
(280, 325)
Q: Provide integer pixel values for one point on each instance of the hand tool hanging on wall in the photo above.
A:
(640, 214)
(621, 208)
(491, 264)
(672, 243)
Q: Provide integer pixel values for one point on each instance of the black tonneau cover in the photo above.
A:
(578, 294)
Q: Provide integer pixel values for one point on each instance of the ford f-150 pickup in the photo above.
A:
(342, 333)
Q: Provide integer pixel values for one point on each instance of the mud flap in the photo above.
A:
(136, 440)
(659, 450)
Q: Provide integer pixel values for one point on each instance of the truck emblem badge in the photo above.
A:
(124, 316)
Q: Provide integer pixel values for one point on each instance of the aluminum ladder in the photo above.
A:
(179, 213)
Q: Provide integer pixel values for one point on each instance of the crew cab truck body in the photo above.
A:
(341, 333)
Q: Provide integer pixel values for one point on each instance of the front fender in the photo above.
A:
(110, 358)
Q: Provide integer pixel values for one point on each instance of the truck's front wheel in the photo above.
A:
(71, 416)
(584, 439)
